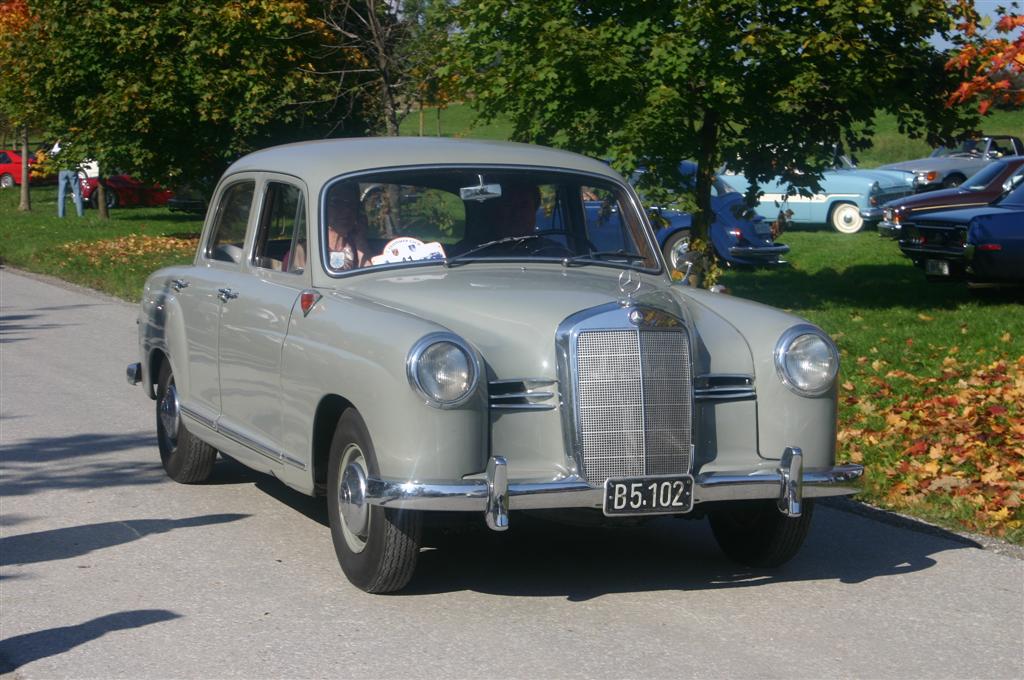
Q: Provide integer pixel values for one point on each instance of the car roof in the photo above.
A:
(319, 161)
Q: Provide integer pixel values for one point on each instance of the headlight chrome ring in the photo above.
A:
(443, 369)
(807, 360)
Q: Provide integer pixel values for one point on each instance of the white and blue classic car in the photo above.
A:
(388, 324)
(849, 199)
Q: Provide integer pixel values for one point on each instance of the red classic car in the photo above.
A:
(988, 184)
(10, 168)
(124, 190)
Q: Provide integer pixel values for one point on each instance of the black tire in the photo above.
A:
(380, 556)
(6, 180)
(112, 200)
(186, 458)
(953, 180)
(755, 533)
(675, 248)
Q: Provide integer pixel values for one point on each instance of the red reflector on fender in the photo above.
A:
(989, 246)
(307, 299)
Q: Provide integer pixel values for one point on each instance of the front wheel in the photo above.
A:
(755, 533)
(845, 218)
(6, 180)
(376, 547)
(186, 458)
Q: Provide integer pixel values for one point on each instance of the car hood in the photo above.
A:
(938, 164)
(502, 309)
(964, 216)
(942, 197)
(886, 178)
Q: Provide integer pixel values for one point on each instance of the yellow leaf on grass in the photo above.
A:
(931, 467)
(848, 386)
(894, 420)
(999, 515)
(991, 475)
(856, 457)
(936, 451)
(925, 317)
(1006, 337)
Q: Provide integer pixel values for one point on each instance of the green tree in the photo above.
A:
(172, 91)
(767, 86)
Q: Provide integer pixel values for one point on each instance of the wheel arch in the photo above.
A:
(328, 411)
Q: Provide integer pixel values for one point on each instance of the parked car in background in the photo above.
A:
(849, 200)
(738, 235)
(124, 191)
(949, 167)
(988, 184)
(477, 360)
(10, 168)
(983, 245)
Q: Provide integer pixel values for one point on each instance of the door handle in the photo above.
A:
(226, 294)
(179, 284)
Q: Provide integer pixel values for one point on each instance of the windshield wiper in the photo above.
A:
(484, 246)
(601, 256)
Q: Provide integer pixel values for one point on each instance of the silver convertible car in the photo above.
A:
(410, 326)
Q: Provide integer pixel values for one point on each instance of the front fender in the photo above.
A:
(357, 350)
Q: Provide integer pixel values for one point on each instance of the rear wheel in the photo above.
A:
(845, 218)
(376, 547)
(755, 533)
(676, 250)
(6, 180)
(186, 458)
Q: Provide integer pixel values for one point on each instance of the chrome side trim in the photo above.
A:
(200, 418)
(238, 438)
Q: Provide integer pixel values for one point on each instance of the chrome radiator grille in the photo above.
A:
(633, 403)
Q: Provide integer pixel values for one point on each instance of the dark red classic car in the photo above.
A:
(985, 186)
(124, 190)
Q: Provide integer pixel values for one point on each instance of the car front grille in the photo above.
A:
(633, 402)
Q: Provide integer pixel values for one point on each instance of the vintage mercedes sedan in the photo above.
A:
(410, 326)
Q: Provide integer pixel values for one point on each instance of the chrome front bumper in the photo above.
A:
(789, 483)
(888, 229)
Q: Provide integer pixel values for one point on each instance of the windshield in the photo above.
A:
(983, 177)
(417, 216)
(968, 147)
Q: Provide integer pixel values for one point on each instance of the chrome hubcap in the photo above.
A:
(677, 256)
(352, 505)
(169, 413)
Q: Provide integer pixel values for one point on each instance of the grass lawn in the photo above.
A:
(932, 388)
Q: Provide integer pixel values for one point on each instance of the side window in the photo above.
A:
(230, 222)
(606, 229)
(4, 158)
(281, 237)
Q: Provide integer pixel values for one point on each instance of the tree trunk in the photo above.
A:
(101, 198)
(706, 160)
(421, 118)
(26, 200)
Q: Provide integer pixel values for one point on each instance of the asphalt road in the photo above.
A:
(108, 569)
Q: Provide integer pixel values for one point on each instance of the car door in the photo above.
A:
(200, 297)
(255, 319)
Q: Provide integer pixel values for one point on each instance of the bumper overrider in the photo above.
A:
(788, 484)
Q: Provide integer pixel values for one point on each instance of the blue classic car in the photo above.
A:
(849, 197)
(738, 237)
(980, 244)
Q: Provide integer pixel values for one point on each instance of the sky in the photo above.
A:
(985, 8)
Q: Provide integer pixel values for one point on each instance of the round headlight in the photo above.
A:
(443, 369)
(806, 360)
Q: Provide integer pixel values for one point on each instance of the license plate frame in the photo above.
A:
(648, 495)
(936, 267)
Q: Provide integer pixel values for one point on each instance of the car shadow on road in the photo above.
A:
(59, 544)
(581, 563)
(22, 649)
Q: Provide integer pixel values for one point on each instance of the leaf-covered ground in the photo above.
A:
(932, 386)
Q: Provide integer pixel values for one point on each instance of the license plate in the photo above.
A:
(937, 267)
(648, 495)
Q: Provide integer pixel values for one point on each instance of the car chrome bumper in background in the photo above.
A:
(789, 483)
(888, 229)
(759, 252)
(871, 214)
